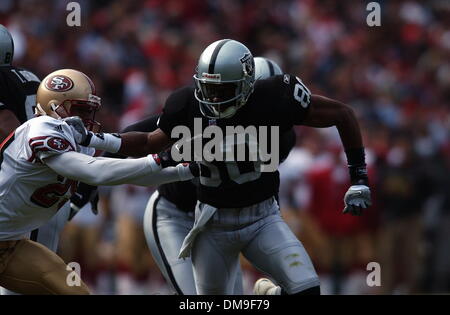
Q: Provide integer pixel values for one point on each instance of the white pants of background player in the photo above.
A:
(165, 228)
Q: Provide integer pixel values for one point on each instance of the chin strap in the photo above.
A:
(38, 111)
(54, 108)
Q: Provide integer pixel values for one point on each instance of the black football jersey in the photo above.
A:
(280, 101)
(18, 89)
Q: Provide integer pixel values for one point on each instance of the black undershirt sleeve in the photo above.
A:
(148, 124)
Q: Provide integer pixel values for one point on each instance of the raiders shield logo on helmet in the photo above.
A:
(248, 64)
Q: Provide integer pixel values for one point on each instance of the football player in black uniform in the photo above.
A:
(17, 88)
(237, 211)
(169, 214)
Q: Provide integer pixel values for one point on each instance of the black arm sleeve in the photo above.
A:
(288, 98)
(295, 99)
(4, 99)
(148, 124)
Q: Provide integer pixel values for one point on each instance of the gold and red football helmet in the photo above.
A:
(67, 92)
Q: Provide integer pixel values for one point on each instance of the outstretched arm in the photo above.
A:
(132, 143)
(85, 192)
(105, 171)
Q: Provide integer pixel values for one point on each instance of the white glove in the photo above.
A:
(356, 199)
(81, 134)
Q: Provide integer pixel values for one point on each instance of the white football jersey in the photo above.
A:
(30, 192)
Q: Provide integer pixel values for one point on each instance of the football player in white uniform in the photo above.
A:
(18, 88)
(40, 163)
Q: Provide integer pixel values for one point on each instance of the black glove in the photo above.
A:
(85, 193)
(194, 167)
(94, 203)
(166, 160)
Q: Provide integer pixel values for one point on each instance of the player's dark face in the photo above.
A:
(219, 92)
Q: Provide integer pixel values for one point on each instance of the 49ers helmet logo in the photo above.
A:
(59, 83)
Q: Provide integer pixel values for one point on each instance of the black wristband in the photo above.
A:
(166, 159)
(87, 140)
(194, 168)
(358, 175)
(357, 166)
(355, 157)
(83, 194)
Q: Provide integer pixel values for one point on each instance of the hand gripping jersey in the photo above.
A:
(30, 192)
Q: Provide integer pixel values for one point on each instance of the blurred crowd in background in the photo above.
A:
(396, 77)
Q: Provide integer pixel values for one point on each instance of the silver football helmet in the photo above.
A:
(6, 47)
(265, 68)
(224, 79)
